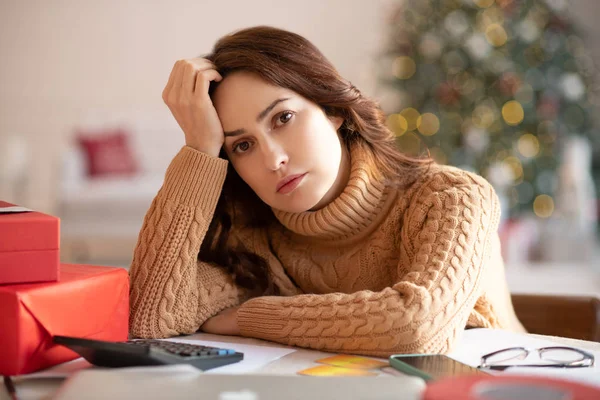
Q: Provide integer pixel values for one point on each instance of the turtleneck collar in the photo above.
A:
(351, 212)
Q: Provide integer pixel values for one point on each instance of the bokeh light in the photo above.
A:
(410, 144)
(428, 124)
(496, 35)
(397, 124)
(502, 84)
(411, 116)
(483, 116)
(543, 206)
(484, 3)
(513, 113)
(528, 145)
(404, 67)
(515, 166)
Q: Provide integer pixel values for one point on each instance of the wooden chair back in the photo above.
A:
(566, 316)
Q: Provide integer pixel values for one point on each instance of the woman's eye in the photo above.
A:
(243, 146)
(284, 118)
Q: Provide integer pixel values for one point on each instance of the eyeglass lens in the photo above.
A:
(560, 355)
(546, 354)
(506, 355)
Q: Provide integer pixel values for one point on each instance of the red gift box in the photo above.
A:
(29, 247)
(88, 301)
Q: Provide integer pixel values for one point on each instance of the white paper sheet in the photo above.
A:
(477, 342)
(13, 209)
(255, 357)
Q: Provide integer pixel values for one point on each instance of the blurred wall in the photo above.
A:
(61, 58)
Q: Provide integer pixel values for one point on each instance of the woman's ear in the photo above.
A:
(336, 121)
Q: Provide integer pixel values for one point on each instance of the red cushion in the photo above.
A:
(108, 153)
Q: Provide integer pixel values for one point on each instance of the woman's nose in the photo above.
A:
(274, 155)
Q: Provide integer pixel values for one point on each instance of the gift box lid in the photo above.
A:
(28, 231)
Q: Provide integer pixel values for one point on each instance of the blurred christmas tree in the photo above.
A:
(493, 86)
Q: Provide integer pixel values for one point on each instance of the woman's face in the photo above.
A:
(273, 134)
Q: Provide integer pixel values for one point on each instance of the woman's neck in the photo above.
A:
(340, 182)
(353, 207)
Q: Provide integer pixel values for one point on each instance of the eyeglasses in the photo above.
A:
(555, 357)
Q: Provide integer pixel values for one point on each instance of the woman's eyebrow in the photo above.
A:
(259, 118)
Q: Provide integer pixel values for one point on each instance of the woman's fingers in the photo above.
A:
(203, 80)
(186, 95)
(188, 79)
(176, 88)
(169, 86)
(195, 75)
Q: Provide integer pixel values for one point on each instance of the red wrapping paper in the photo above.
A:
(88, 301)
(29, 247)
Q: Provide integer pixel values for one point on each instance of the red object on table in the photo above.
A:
(514, 387)
(29, 247)
(88, 302)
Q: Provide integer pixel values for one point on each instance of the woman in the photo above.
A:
(291, 216)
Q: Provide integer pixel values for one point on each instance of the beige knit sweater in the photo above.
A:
(378, 271)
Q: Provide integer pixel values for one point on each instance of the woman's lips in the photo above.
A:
(291, 184)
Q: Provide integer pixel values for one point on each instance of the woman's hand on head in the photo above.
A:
(224, 323)
(186, 95)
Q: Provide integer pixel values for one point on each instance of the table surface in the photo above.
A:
(287, 365)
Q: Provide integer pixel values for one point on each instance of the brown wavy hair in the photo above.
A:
(289, 60)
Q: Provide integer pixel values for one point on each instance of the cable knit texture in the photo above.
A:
(378, 271)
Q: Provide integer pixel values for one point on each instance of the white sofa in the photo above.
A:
(101, 216)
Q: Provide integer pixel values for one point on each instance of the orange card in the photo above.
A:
(330, 370)
(355, 362)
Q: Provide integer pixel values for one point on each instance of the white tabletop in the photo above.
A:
(287, 365)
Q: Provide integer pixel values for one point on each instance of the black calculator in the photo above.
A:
(141, 352)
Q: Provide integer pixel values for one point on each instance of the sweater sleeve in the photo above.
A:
(171, 291)
(448, 234)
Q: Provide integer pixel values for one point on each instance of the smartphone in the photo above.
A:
(431, 366)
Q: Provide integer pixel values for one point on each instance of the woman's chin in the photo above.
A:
(291, 209)
(296, 205)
